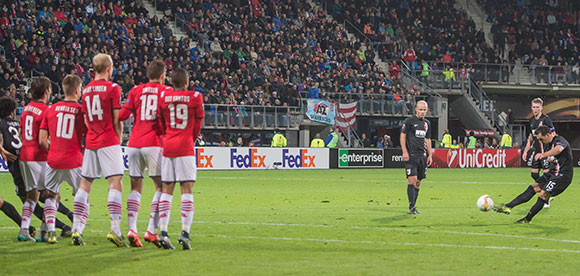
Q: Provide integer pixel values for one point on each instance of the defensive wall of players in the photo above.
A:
(239, 158)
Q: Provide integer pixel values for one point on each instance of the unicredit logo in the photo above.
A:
(475, 158)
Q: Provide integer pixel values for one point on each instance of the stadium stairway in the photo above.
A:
(469, 113)
(150, 6)
(479, 16)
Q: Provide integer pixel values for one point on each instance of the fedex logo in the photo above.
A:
(203, 160)
(302, 160)
(250, 160)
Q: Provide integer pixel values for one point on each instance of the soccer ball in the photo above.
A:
(485, 203)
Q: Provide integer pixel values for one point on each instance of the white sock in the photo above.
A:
(50, 213)
(27, 210)
(80, 211)
(133, 204)
(115, 210)
(154, 217)
(186, 211)
(164, 210)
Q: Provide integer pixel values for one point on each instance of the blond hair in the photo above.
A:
(101, 62)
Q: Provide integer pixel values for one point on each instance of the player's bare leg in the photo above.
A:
(81, 209)
(187, 211)
(165, 212)
(151, 234)
(133, 205)
(27, 210)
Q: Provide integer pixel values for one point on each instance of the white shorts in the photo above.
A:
(178, 169)
(142, 158)
(33, 173)
(107, 161)
(55, 177)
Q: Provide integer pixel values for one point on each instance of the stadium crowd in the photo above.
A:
(238, 54)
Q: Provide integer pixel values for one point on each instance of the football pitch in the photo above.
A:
(337, 222)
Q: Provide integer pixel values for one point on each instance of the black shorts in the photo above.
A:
(554, 184)
(537, 164)
(416, 166)
(14, 169)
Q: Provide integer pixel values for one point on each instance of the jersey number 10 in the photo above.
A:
(65, 125)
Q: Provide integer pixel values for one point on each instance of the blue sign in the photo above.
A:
(321, 111)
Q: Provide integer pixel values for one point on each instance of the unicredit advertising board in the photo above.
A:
(476, 158)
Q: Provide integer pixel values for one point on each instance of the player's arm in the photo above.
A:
(43, 139)
(127, 108)
(528, 145)
(403, 140)
(117, 124)
(199, 114)
(6, 155)
(552, 152)
(429, 156)
(124, 114)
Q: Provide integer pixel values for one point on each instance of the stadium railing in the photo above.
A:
(510, 73)
(252, 116)
(378, 104)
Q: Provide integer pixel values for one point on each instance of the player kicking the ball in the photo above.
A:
(182, 113)
(549, 184)
(64, 124)
(101, 104)
(145, 149)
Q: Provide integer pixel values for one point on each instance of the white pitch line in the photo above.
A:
(357, 180)
(374, 228)
(413, 244)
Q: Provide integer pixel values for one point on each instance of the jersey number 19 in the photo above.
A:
(178, 111)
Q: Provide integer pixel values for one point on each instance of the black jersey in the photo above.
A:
(417, 130)
(9, 132)
(562, 162)
(544, 120)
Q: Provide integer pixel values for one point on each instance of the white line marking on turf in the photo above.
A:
(445, 245)
(357, 180)
(373, 228)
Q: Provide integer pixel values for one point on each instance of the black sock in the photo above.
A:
(411, 195)
(39, 212)
(416, 196)
(535, 176)
(63, 210)
(536, 208)
(522, 198)
(11, 212)
(59, 224)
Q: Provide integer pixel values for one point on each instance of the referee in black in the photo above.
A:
(416, 144)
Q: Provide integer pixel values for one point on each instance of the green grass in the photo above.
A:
(338, 222)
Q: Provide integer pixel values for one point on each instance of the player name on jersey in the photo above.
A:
(171, 99)
(66, 108)
(32, 109)
(96, 88)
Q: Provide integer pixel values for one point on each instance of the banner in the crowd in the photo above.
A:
(476, 158)
(480, 132)
(360, 158)
(394, 158)
(346, 115)
(321, 111)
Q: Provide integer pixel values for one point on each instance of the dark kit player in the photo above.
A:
(533, 146)
(416, 144)
(550, 184)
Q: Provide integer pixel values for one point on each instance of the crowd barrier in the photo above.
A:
(218, 158)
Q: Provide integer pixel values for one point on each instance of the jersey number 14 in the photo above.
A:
(94, 107)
